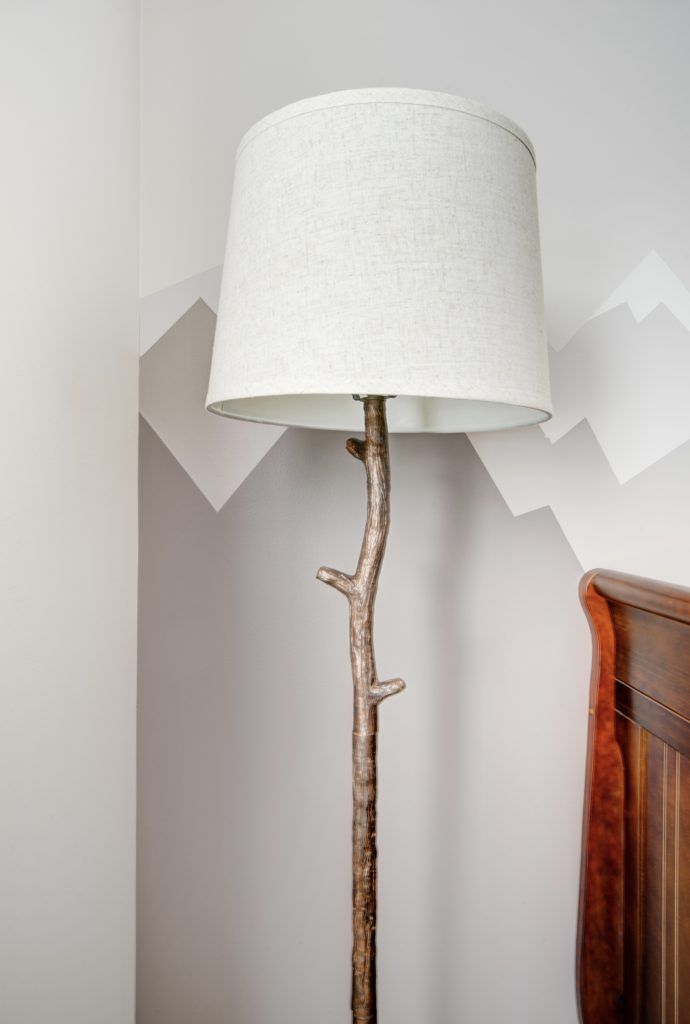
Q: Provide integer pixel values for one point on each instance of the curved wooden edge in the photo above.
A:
(666, 599)
(600, 953)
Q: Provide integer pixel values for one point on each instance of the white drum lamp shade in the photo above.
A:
(383, 242)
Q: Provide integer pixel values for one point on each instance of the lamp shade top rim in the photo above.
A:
(409, 97)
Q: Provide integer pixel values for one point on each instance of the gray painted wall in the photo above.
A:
(244, 688)
(68, 511)
(245, 705)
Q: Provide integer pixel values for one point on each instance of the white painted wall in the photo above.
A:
(68, 543)
(598, 85)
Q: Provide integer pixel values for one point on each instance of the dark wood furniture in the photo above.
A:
(634, 919)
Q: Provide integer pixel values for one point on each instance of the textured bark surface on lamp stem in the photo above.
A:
(360, 590)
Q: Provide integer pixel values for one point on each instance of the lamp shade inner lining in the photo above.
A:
(407, 414)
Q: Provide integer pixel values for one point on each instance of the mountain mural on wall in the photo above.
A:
(613, 463)
(217, 453)
(650, 284)
(627, 371)
(629, 380)
(160, 310)
(638, 527)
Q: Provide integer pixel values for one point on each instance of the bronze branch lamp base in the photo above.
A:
(360, 591)
(381, 242)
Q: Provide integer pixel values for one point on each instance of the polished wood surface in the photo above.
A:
(634, 919)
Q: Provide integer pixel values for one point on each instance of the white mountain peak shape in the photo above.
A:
(640, 527)
(652, 283)
(627, 371)
(160, 310)
(217, 453)
(617, 471)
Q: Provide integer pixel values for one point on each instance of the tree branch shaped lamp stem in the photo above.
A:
(360, 591)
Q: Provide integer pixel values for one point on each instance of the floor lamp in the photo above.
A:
(383, 247)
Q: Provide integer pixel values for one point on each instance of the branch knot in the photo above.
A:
(341, 581)
(356, 447)
(379, 691)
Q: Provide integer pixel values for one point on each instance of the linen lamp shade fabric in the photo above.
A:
(383, 242)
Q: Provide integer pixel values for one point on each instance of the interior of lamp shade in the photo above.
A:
(406, 414)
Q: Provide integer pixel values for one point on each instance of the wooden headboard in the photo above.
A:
(634, 919)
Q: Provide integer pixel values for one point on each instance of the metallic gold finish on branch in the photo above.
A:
(360, 590)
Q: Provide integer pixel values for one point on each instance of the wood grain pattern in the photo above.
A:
(652, 981)
(652, 655)
(683, 891)
(360, 590)
(636, 835)
(633, 742)
(600, 962)
(656, 718)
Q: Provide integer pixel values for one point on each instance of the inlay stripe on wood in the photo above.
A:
(633, 744)
(671, 849)
(654, 974)
(683, 890)
(653, 716)
(637, 809)
(676, 885)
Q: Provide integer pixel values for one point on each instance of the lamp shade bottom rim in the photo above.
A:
(407, 414)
